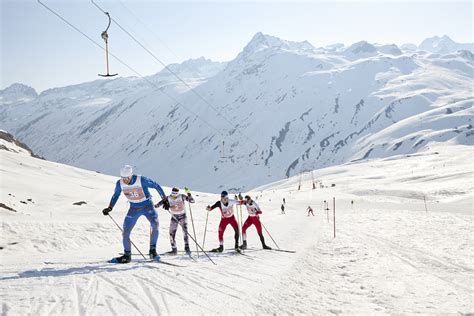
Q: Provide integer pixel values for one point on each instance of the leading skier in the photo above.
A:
(136, 190)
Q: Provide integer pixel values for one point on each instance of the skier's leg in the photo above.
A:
(172, 232)
(233, 223)
(183, 221)
(152, 217)
(128, 224)
(258, 225)
(222, 226)
(247, 224)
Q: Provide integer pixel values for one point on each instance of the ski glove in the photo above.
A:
(166, 204)
(106, 211)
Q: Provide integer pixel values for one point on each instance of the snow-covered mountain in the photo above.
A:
(284, 107)
(17, 93)
(444, 45)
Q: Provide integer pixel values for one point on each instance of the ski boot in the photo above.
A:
(153, 254)
(187, 250)
(173, 252)
(237, 248)
(264, 246)
(244, 245)
(126, 258)
(219, 249)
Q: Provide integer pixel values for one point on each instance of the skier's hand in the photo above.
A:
(208, 208)
(166, 204)
(106, 211)
(259, 212)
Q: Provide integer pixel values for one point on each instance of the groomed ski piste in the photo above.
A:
(392, 254)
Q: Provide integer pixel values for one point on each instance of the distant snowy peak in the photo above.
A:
(9, 143)
(390, 49)
(17, 93)
(409, 47)
(443, 45)
(195, 68)
(360, 49)
(262, 41)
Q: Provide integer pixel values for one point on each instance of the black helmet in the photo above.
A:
(224, 193)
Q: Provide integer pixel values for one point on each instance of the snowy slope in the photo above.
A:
(390, 256)
(288, 107)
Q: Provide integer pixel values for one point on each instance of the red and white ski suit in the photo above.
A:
(227, 212)
(253, 219)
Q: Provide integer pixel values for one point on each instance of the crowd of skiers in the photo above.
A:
(136, 189)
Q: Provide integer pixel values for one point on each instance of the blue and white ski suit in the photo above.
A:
(138, 194)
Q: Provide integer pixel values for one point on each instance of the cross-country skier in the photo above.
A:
(253, 219)
(227, 213)
(282, 209)
(136, 190)
(310, 210)
(178, 217)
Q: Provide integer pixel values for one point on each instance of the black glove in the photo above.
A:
(189, 194)
(106, 211)
(166, 204)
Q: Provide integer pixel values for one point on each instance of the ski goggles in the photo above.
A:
(174, 193)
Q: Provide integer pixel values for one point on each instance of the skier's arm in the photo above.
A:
(152, 184)
(118, 190)
(159, 204)
(188, 198)
(217, 204)
(259, 210)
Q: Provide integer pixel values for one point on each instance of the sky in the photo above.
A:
(40, 50)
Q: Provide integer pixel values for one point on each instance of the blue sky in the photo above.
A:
(40, 50)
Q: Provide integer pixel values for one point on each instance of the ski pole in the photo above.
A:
(270, 235)
(205, 230)
(189, 235)
(241, 224)
(194, 230)
(122, 234)
(192, 220)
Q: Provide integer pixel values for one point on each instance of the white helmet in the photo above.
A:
(126, 171)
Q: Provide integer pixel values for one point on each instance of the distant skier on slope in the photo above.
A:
(178, 210)
(136, 190)
(282, 209)
(310, 210)
(227, 213)
(253, 219)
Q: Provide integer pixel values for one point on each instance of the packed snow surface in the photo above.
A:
(392, 252)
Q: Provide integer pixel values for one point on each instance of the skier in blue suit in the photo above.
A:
(136, 190)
